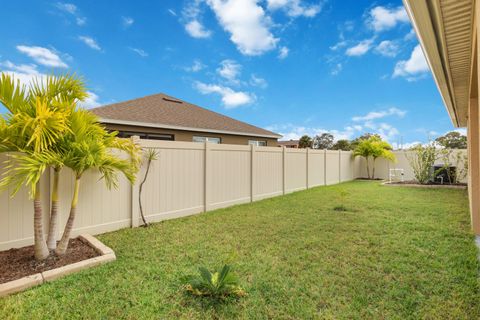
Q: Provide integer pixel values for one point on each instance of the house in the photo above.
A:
(289, 144)
(448, 31)
(162, 117)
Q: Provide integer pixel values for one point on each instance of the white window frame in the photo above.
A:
(258, 143)
(207, 139)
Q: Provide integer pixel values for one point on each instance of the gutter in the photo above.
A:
(166, 126)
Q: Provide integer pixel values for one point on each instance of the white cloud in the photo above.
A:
(293, 132)
(127, 21)
(230, 98)
(336, 69)
(172, 12)
(294, 8)
(247, 24)
(413, 68)
(338, 45)
(43, 56)
(230, 70)
(23, 72)
(72, 9)
(258, 82)
(196, 66)
(81, 21)
(387, 48)
(140, 52)
(197, 30)
(92, 101)
(67, 7)
(360, 49)
(380, 114)
(283, 53)
(90, 42)
(382, 18)
(411, 35)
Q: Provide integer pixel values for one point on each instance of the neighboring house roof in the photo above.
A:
(163, 111)
(444, 29)
(288, 143)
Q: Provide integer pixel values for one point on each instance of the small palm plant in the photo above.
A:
(90, 146)
(219, 284)
(150, 155)
(36, 119)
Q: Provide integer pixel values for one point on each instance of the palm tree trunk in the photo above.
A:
(368, 168)
(145, 223)
(40, 246)
(373, 168)
(63, 243)
(53, 229)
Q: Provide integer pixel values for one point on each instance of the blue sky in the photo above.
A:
(292, 66)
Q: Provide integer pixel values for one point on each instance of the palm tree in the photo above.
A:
(90, 146)
(35, 121)
(375, 148)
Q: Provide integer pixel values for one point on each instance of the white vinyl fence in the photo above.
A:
(187, 178)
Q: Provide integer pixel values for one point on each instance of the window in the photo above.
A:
(206, 139)
(151, 136)
(258, 143)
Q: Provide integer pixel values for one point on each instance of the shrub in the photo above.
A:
(219, 284)
(422, 161)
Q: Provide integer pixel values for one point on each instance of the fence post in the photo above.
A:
(252, 172)
(284, 169)
(135, 192)
(339, 166)
(306, 177)
(324, 167)
(205, 177)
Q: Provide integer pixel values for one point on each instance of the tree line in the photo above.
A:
(451, 140)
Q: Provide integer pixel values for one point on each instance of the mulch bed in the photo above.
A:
(19, 263)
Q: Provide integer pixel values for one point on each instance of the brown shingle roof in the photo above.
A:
(288, 143)
(161, 110)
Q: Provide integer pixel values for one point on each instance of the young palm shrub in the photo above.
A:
(35, 121)
(90, 146)
(150, 155)
(220, 284)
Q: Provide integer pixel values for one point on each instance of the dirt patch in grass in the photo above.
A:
(19, 263)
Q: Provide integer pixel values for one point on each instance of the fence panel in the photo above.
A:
(175, 185)
(346, 166)
(332, 170)
(228, 175)
(296, 169)
(268, 172)
(316, 168)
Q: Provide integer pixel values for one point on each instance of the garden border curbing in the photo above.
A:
(106, 255)
(439, 186)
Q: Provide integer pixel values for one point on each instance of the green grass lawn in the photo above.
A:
(397, 253)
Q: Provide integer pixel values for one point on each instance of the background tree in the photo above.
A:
(342, 144)
(323, 141)
(453, 140)
(305, 142)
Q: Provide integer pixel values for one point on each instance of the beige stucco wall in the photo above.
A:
(187, 136)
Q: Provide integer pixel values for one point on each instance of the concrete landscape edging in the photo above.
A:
(106, 255)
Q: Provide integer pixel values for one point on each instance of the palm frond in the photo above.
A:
(12, 94)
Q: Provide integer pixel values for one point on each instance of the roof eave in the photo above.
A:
(421, 19)
(166, 126)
